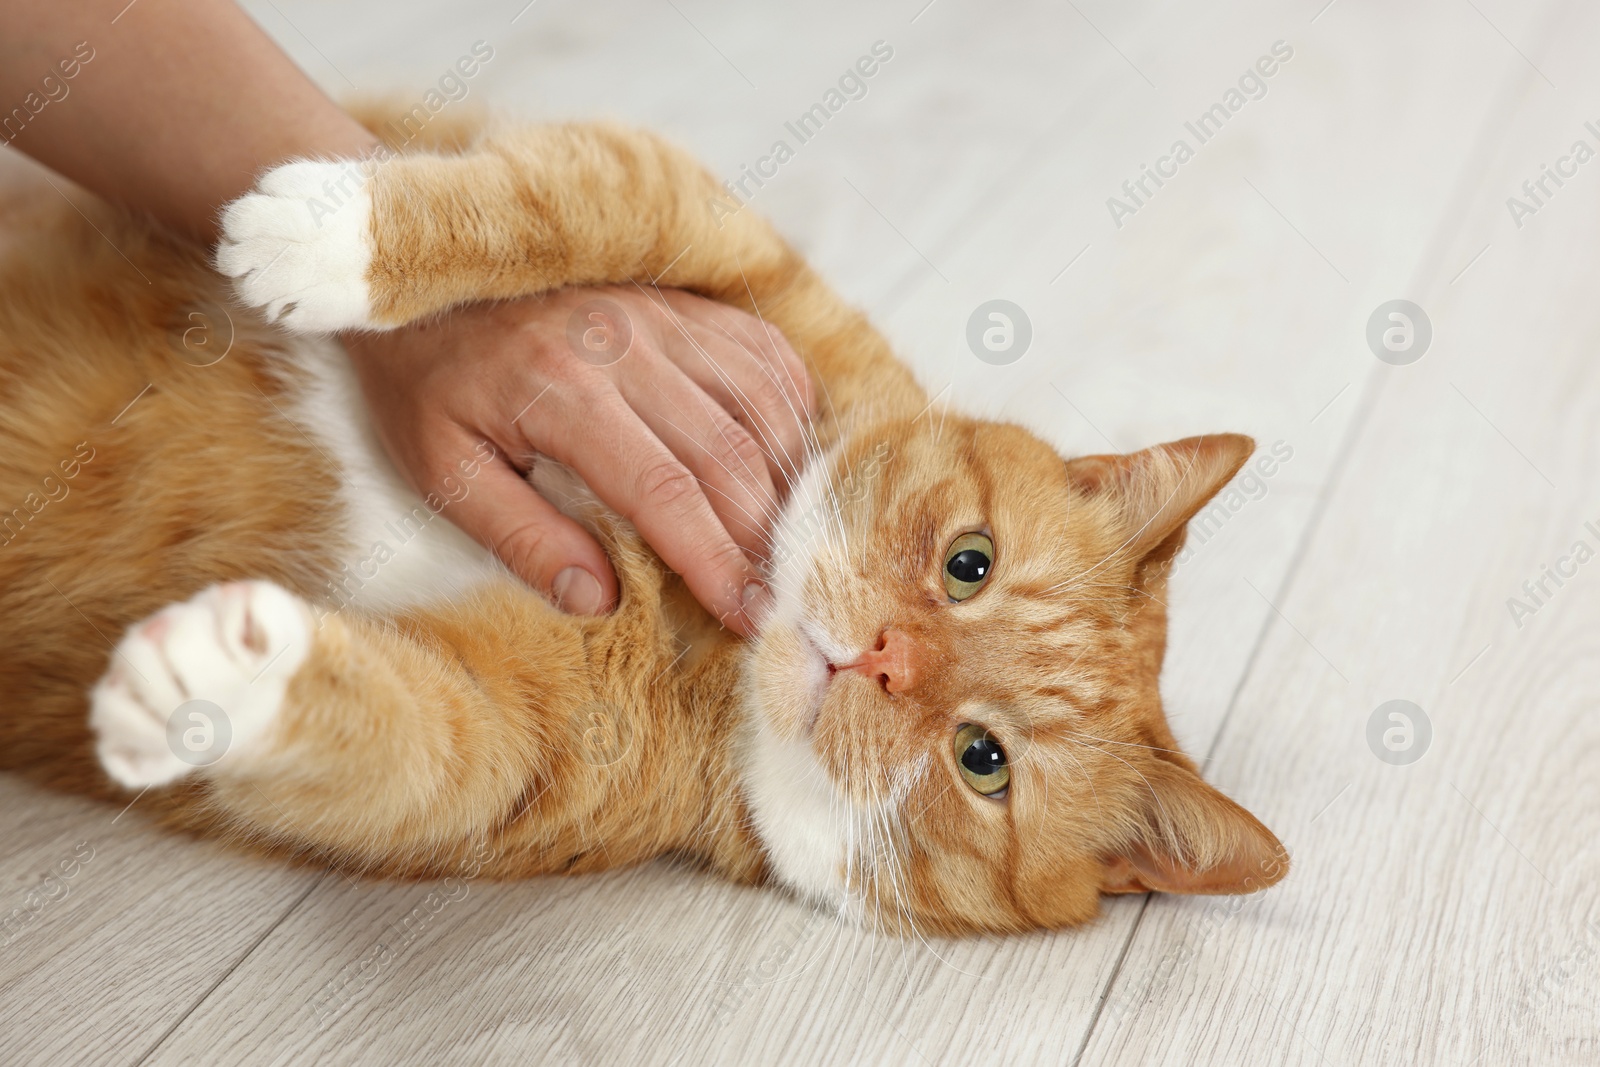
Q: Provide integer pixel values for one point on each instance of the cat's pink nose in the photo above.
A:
(893, 662)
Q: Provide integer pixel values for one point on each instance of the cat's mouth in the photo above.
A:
(819, 671)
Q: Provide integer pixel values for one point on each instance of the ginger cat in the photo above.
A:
(949, 723)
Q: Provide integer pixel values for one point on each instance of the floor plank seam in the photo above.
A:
(1358, 422)
(1429, 269)
(1111, 981)
(246, 954)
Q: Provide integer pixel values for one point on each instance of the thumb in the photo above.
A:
(539, 544)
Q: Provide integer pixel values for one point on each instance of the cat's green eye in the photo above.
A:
(982, 761)
(967, 563)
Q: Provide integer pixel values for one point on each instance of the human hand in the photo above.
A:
(683, 415)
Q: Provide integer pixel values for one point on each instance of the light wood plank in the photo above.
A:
(111, 931)
(1441, 912)
(656, 965)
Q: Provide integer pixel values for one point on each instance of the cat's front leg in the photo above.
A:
(299, 246)
(375, 244)
(199, 682)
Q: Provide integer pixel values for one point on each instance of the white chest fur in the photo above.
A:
(397, 552)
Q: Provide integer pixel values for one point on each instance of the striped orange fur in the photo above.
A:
(818, 756)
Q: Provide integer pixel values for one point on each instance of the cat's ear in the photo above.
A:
(1193, 839)
(1155, 492)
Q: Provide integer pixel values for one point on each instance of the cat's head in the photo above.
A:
(955, 723)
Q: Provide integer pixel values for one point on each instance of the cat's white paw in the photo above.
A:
(299, 246)
(198, 682)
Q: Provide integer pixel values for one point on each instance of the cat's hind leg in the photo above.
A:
(198, 681)
(390, 745)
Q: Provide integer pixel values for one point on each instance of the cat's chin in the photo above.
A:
(796, 809)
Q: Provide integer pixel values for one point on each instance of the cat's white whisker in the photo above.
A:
(722, 375)
(1126, 744)
(749, 474)
(708, 486)
(1157, 797)
(1135, 535)
(804, 420)
(765, 428)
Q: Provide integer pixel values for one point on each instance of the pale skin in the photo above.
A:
(692, 435)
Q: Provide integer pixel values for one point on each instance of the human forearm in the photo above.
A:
(180, 107)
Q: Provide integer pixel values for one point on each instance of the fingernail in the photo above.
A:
(577, 591)
(755, 602)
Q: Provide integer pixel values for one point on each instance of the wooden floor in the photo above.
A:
(1445, 902)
